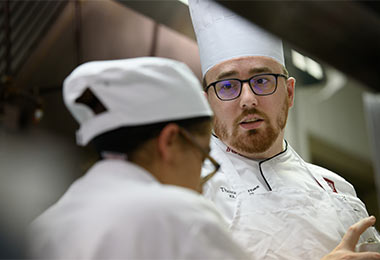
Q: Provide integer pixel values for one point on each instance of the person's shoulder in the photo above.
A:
(327, 174)
(174, 199)
(175, 217)
(335, 181)
(169, 209)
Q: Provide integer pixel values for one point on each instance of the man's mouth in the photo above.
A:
(251, 123)
(250, 120)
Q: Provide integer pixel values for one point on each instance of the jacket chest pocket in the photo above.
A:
(270, 223)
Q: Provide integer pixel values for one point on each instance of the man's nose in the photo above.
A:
(248, 99)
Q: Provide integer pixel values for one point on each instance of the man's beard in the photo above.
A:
(254, 140)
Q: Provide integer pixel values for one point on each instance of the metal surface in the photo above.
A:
(22, 25)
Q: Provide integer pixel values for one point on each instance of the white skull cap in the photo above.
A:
(134, 92)
(222, 35)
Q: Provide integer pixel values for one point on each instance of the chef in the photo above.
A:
(151, 124)
(277, 205)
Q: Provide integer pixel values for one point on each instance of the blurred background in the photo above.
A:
(331, 48)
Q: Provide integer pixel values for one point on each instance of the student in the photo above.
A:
(151, 124)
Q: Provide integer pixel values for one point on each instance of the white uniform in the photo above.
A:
(118, 210)
(283, 208)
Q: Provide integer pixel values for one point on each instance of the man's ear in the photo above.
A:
(167, 140)
(290, 87)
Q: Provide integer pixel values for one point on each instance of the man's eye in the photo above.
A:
(227, 86)
(261, 81)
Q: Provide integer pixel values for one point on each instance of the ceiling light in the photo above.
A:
(313, 68)
(299, 60)
(184, 2)
(306, 64)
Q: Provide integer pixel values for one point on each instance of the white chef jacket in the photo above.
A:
(118, 210)
(282, 207)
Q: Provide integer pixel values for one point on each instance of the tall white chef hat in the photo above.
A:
(223, 35)
(132, 92)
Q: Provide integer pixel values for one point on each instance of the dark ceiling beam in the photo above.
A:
(344, 34)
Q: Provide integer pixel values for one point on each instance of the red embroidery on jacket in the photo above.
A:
(331, 184)
(231, 151)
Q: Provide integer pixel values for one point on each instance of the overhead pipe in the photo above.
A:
(78, 32)
(8, 42)
(153, 46)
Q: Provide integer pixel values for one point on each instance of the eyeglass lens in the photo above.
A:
(208, 160)
(231, 88)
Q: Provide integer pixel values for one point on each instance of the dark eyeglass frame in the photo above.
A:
(276, 75)
(190, 138)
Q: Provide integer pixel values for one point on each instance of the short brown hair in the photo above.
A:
(129, 139)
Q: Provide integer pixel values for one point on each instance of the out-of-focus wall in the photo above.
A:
(336, 118)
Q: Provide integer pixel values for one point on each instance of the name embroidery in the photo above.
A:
(230, 193)
(251, 191)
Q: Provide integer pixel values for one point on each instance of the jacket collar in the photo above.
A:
(229, 151)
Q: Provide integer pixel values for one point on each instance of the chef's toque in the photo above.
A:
(223, 35)
(131, 92)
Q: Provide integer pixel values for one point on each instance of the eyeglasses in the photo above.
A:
(205, 154)
(261, 85)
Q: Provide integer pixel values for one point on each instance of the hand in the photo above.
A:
(346, 248)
